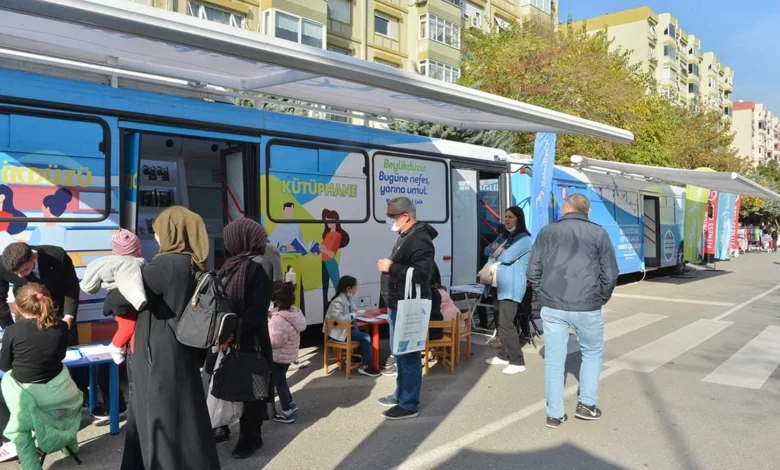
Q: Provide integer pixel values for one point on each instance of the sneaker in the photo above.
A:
(397, 412)
(221, 434)
(388, 401)
(293, 407)
(513, 369)
(8, 452)
(390, 371)
(285, 417)
(366, 370)
(496, 361)
(101, 416)
(590, 413)
(553, 423)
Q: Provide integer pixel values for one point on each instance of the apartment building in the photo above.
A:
(684, 73)
(756, 132)
(413, 35)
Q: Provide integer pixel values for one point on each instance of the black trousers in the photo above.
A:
(511, 348)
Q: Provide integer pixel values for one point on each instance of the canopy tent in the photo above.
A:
(713, 180)
(144, 40)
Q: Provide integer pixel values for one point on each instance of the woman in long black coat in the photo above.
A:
(168, 425)
(249, 282)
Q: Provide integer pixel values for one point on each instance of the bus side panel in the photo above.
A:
(54, 168)
(672, 217)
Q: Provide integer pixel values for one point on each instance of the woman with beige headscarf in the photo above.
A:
(168, 423)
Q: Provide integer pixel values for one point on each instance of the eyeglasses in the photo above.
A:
(393, 216)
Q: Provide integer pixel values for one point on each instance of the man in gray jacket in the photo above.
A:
(573, 272)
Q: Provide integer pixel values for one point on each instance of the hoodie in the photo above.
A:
(285, 329)
(413, 249)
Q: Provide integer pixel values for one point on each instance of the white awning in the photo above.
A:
(148, 40)
(713, 180)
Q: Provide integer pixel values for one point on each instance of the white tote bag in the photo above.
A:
(411, 320)
(222, 413)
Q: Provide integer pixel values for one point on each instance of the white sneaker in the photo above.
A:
(496, 361)
(117, 353)
(512, 369)
(8, 452)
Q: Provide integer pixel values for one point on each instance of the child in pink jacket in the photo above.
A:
(285, 329)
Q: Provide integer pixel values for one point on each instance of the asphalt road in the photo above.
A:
(690, 382)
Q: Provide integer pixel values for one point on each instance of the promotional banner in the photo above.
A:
(541, 181)
(725, 227)
(696, 199)
(734, 245)
(710, 227)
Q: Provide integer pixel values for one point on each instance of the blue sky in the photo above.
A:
(744, 34)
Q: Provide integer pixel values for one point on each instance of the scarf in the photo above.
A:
(244, 239)
(182, 231)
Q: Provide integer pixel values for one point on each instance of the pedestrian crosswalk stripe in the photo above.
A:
(653, 355)
(751, 366)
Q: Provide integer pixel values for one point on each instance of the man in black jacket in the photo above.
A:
(573, 272)
(413, 249)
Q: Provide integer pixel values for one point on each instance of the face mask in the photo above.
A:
(510, 230)
(394, 222)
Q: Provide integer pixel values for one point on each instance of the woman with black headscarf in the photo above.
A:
(168, 423)
(249, 283)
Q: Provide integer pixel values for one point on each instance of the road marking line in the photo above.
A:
(746, 303)
(671, 299)
(751, 366)
(446, 451)
(653, 355)
(620, 327)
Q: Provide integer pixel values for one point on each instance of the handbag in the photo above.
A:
(222, 412)
(487, 275)
(242, 376)
(411, 321)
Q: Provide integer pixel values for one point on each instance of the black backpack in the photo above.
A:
(207, 320)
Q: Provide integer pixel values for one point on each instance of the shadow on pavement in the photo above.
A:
(566, 456)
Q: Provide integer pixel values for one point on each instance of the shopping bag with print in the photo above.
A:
(412, 317)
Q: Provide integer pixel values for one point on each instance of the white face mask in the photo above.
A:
(394, 222)
(512, 229)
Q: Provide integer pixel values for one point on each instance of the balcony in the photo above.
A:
(727, 86)
(337, 28)
(693, 78)
(387, 43)
(727, 103)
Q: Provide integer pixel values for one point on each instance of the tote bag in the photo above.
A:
(411, 321)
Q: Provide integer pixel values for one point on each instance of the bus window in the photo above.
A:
(299, 173)
(55, 168)
(423, 180)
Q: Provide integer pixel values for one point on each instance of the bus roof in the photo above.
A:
(142, 42)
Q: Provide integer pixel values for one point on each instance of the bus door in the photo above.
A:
(208, 172)
(651, 219)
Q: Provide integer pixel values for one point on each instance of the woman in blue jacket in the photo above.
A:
(511, 250)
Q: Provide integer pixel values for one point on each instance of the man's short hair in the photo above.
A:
(288, 205)
(404, 205)
(15, 255)
(578, 203)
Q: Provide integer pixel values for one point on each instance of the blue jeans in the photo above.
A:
(365, 344)
(279, 373)
(590, 329)
(409, 381)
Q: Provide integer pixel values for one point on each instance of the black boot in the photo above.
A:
(247, 445)
(221, 434)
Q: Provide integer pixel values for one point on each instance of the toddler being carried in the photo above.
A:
(121, 270)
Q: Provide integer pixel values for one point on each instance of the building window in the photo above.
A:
(670, 51)
(500, 23)
(439, 71)
(296, 29)
(669, 73)
(339, 50)
(693, 88)
(216, 15)
(386, 63)
(544, 5)
(651, 30)
(385, 26)
(439, 30)
(671, 31)
(694, 51)
(340, 10)
(651, 52)
(712, 83)
(473, 15)
(457, 3)
(693, 69)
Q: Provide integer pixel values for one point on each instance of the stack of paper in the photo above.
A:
(96, 353)
(369, 319)
(72, 355)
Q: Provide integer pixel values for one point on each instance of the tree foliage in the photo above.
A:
(767, 175)
(579, 73)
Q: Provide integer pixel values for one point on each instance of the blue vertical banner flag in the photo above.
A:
(725, 225)
(541, 181)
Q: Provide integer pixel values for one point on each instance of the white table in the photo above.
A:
(474, 292)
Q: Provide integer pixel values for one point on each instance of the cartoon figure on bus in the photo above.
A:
(334, 238)
(285, 235)
(52, 233)
(7, 209)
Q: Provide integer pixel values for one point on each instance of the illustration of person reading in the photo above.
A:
(285, 234)
(51, 233)
(333, 239)
(7, 210)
